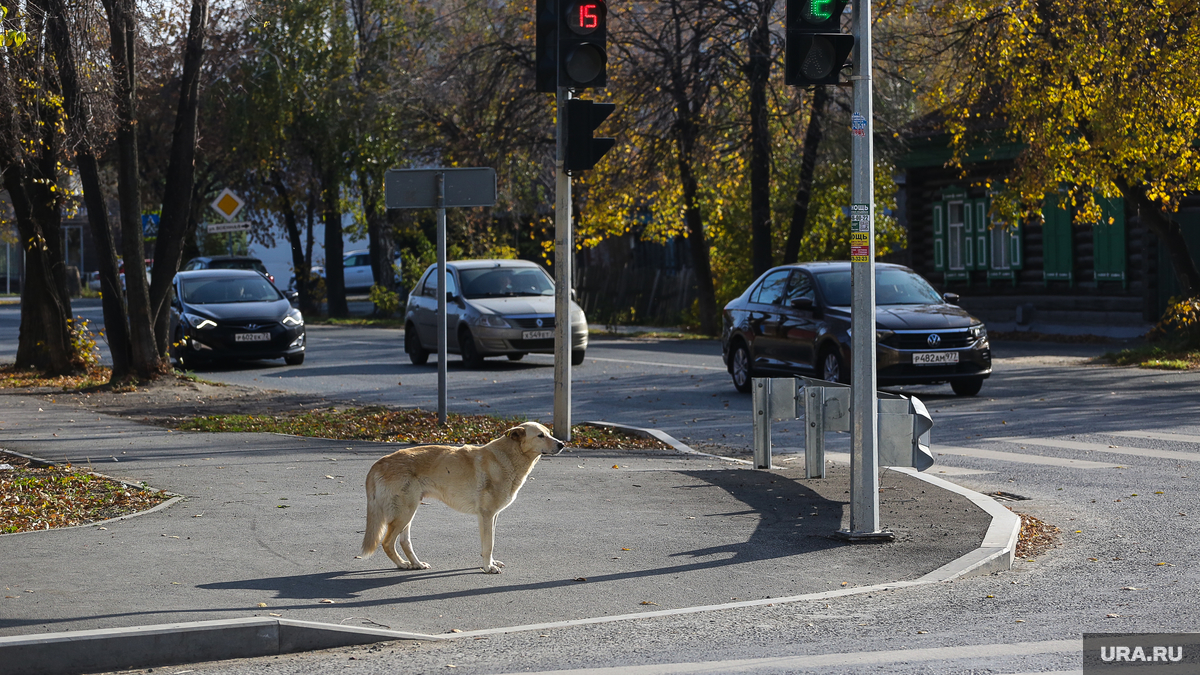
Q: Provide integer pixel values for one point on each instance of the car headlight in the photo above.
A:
(492, 321)
(577, 316)
(881, 335)
(200, 322)
(978, 331)
(293, 318)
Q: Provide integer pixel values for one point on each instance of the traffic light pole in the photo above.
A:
(564, 240)
(864, 412)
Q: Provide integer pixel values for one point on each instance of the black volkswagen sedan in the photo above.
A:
(228, 314)
(795, 320)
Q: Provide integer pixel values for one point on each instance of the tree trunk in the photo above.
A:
(808, 166)
(759, 73)
(181, 177)
(44, 342)
(1171, 234)
(379, 235)
(78, 115)
(143, 351)
(335, 279)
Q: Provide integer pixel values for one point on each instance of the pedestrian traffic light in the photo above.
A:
(815, 48)
(583, 151)
(546, 45)
(582, 40)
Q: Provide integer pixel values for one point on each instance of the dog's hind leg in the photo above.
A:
(398, 531)
(487, 541)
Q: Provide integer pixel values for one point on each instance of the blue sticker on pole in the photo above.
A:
(858, 125)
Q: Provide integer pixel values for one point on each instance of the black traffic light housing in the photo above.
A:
(816, 49)
(546, 45)
(582, 42)
(583, 151)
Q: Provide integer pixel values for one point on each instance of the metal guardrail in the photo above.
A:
(904, 422)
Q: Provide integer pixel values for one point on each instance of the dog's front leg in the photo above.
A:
(487, 541)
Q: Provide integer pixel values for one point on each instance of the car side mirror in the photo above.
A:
(451, 296)
(802, 303)
(572, 295)
(951, 298)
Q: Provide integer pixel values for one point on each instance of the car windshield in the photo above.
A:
(238, 265)
(504, 282)
(230, 289)
(892, 287)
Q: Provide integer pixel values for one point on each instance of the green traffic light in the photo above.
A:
(819, 10)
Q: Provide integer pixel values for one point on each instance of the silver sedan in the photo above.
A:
(493, 308)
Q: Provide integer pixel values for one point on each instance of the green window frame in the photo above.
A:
(952, 250)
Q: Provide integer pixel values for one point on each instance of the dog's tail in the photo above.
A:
(376, 522)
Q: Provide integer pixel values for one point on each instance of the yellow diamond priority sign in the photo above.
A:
(228, 204)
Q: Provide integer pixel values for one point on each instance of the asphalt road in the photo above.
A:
(1107, 454)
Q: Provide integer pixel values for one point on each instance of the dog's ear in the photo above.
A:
(516, 433)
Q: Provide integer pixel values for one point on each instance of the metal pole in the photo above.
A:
(441, 284)
(564, 244)
(864, 413)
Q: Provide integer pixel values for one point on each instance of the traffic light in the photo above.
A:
(546, 45)
(816, 49)
(583, 151)
(582, 40)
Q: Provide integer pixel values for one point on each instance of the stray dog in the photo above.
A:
(478, 479)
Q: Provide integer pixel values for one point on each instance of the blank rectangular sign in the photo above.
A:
(417, 188)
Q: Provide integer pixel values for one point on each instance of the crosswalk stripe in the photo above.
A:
(1020, 457)
(793, 663)
(1157, 435)
(1102, 447)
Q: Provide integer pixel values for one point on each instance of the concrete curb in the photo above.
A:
(178, 643)
(73, 652)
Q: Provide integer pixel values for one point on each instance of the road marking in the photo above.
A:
(1103, 447)
(644, 363)
(794, 663)
(1019, 457)
(1157, 435)
(936, 469)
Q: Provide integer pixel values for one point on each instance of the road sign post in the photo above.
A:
(864, 412)
(440, 189)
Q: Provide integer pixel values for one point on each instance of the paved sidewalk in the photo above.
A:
(270, 526)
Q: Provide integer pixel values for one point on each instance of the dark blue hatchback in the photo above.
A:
(227, 314)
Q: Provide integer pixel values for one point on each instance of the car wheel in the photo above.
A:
(470, 353)
(968, 387)
(516, 357)
(833, 369)
(740, 368)
(412, 345)
(577, 357)
(294, 359)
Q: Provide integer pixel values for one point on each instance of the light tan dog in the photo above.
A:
(478, 479)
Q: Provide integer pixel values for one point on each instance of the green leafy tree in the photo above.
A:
(1104, 95)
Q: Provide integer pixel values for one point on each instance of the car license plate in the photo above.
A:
(537, 334)
(252, 337)
(934, 358)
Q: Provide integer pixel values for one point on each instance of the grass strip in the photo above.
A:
(406, 425)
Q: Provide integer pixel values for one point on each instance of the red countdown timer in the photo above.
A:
(585, 17)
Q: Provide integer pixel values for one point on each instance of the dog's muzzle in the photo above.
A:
(558, 447)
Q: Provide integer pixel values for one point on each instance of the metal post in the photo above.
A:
(564, 244)
(441, 284)
(864, 419)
